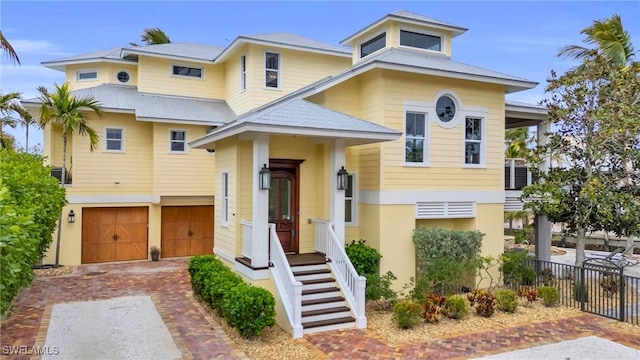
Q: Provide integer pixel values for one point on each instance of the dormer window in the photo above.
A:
(373, 45)
(421, 41)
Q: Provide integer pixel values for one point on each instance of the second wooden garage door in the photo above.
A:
(187, 230)
(114, 234)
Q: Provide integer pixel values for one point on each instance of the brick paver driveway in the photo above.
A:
(198, 336)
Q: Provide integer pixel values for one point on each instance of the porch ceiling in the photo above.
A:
(301, 117)
(518, 114)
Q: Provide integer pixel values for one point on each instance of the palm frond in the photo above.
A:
(8, 49)
(153, 36)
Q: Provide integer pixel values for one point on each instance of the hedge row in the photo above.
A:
(249, 309)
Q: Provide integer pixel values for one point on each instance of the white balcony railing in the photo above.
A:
(516, 174)
(290, 290)
(247, 238)
(352, 284)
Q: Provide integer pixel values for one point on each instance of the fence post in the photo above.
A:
(623, 311)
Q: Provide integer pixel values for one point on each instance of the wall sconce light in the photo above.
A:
(72, 217)
(264, 178)
(343, 177)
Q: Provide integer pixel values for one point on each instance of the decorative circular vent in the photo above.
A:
(123, 76)
(445, 108)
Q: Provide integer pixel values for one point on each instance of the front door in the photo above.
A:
(283, 207)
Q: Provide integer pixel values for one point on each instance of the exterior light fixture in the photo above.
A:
(264, 177)
(343, 177)
(71, 217)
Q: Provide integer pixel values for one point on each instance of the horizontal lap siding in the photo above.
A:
(155, 77)
(176, 174)
(226, 158)
(103, 75)
(240, 101)
(246, 174)
(56, 146)
(96, 172)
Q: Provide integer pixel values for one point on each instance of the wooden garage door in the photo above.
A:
(114, 234)
(187, 230)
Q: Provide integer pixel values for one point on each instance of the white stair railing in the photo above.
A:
(290, 290)
(352, 284)
(247, 238)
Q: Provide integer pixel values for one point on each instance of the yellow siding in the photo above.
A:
(226, 160)
(239, 100)
(182, 174)
(56, 146)
(246, 174)
(155, 77)
(106, 74)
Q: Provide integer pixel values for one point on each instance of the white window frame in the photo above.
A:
(424, 32)
(243, 73)
(369, 38)
(482, 142)
(279, 70)
(201, 77)
(185, 151)
(354, 202)
(425, 140)
(224, 187)
(86, 71)
(106, 139)
(125, 71)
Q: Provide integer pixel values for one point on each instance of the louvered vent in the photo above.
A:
(442, 210)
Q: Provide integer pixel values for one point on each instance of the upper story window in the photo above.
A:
(225, 199)
(445, 108)
(272, 70)
(373, 45)
(243, 73)
(114, 140)
(422, 41)
(350, 204)
(177, 141)
(86, 75)
(179, 70)
(415, 138)
(473, 141)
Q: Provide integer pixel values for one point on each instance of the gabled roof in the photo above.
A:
(408, 17)
(109, 55)
(286, 40)
(187, 51)
(155, 107)
(301, 117)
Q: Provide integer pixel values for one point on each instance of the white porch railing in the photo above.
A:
(350, 282)
(290, 290)
(517, 175)
(247, 238)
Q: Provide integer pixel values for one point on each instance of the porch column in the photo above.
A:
(337, 196)
(543, 225)
(260, 208)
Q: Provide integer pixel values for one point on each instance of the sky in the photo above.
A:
(518, 38)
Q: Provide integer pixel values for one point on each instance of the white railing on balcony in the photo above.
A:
(350, 282)
(290, 290)
(517, 175)
(247, 238)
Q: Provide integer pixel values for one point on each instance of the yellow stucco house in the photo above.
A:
(277, 145)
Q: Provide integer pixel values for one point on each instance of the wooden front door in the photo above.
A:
(283, 208)
(114, 234)
(186, 230)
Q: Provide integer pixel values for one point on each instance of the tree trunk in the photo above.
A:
(64, 160)
(580, 242)
(26, 146)
(606, 241)
(630, 245)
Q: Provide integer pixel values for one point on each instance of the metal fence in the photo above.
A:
(598, 287)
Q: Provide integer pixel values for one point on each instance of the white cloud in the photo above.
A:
(24, 46)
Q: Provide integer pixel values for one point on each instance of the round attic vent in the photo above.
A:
(123, 76)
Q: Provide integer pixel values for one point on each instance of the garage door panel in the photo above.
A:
(114, 234)
(187, 230)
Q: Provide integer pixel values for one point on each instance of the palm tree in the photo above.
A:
(516, 143)
(153, 36)
(612, 43)
(8, 105)
(26, 120)
(64, 109)
(7, 48)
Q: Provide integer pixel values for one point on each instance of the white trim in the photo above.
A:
(458, 111)
(243, 73)
(186, 142)
(425, 140)
(83, 71)
(176, 121)
(106, 140)
(371, 37)
(130, 51)
(279, 70)
(421, 31)
(224, 205)
(409, 197)
(354, 202)
(223, 255)
(201, 77)
(445, 210)
(125, 71)
(482, 141)
(107, 199)
(240, 40)
(60, 65)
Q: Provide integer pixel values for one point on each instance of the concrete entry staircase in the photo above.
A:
(323, 304)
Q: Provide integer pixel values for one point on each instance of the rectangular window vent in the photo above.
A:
(445, 210)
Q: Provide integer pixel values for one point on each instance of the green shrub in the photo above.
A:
(249, 309)
(379, 290)
(365, 259)
(485, 304)
(550, 295)
(580, 293)
(196, 262)
(218, 284)
(31, 201)
(515, 270)
(200, 268)
(529, 293)
(447, 275)
(456, 307)
(406, 314)
(506, 300)
(433, 306)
